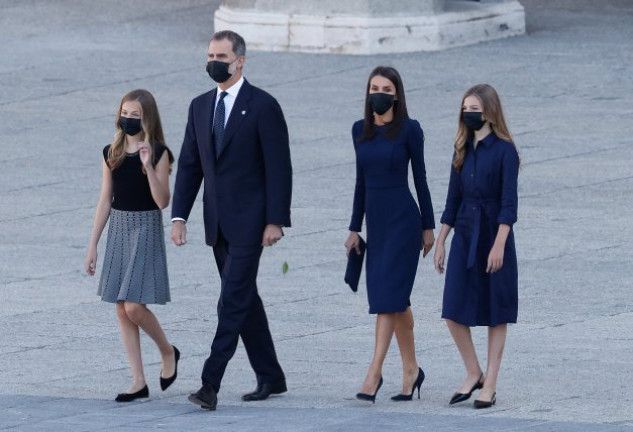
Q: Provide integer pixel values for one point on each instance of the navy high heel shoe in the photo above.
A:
(368, 397)
(417, 384)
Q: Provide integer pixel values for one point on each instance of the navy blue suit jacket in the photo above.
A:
(249, 184)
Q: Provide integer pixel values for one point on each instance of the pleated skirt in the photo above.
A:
(135, 262)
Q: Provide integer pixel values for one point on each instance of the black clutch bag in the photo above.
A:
(355, 265)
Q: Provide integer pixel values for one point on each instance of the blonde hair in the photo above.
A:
(150, 123)
(492, 112)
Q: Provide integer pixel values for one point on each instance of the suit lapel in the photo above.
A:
(237, 114)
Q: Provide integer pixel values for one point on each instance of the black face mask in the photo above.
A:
(380, 102)
(219, 71)
(473, 120)
(131, 126)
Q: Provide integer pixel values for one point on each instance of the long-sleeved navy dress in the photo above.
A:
(394, 221)
(480, 197)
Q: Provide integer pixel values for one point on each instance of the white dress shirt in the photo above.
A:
(229, 99)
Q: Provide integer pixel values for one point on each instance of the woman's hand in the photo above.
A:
(352, 242)
(145, 153)
(428, 238)
(438, 257)
(90, 263)
(495, 258)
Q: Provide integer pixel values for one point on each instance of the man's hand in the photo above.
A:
(272, 234)
(179, 233)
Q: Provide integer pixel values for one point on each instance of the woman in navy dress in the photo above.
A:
(386, 141)
(481, 287)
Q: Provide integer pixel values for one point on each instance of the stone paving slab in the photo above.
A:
(46, 414)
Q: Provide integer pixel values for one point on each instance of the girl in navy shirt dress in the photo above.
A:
(481, 205)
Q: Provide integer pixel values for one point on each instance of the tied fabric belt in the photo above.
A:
(491, 208)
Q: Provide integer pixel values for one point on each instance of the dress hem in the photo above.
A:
(130, 301)
(373, 312)
(481, 324)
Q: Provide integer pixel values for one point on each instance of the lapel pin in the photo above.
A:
(243, 112)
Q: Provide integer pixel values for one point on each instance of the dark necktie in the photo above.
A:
(218, 125)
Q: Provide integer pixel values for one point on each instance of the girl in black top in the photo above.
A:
(134, 190)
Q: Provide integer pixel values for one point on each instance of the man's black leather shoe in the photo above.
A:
(264, 390)
(206, 397)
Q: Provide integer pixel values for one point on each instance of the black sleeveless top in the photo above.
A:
(130, 187)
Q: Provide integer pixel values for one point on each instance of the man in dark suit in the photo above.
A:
(236, 142)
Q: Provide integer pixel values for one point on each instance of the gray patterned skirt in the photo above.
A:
(135, 264)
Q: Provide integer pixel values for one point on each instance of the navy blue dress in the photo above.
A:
(394, 222)
(480, 197)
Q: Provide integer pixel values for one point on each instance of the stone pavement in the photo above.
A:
(567, 88)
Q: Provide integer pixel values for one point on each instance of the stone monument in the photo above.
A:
(369, 26)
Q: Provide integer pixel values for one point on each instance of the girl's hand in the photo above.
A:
(495, 258)
(145, 152)
(352, 242)
(438, 257)
(428, 238)
(90, 263)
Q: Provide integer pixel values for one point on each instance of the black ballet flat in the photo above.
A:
(129, 397)
(417, 384)
(461, 397)
(479, 404)
(368, 397)
(166, 382)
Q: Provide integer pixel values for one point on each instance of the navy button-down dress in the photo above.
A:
(480, 197)
(394, 221)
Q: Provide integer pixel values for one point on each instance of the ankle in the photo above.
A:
(139, 382)
(411, 370)
(374, 374)
(472, 376)
(489, 387)
(167, 351)
(487, 393)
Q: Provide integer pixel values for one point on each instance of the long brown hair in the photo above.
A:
(400, 112)
(492, 111)
(151, 128)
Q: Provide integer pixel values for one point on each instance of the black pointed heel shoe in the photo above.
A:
(479, 404)
(461, 397)
(129, 397)
(166, 382)
(417, 384)
(368, 397)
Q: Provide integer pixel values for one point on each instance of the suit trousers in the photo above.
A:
(240, 314)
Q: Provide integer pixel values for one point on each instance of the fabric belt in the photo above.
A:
(490, 207)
